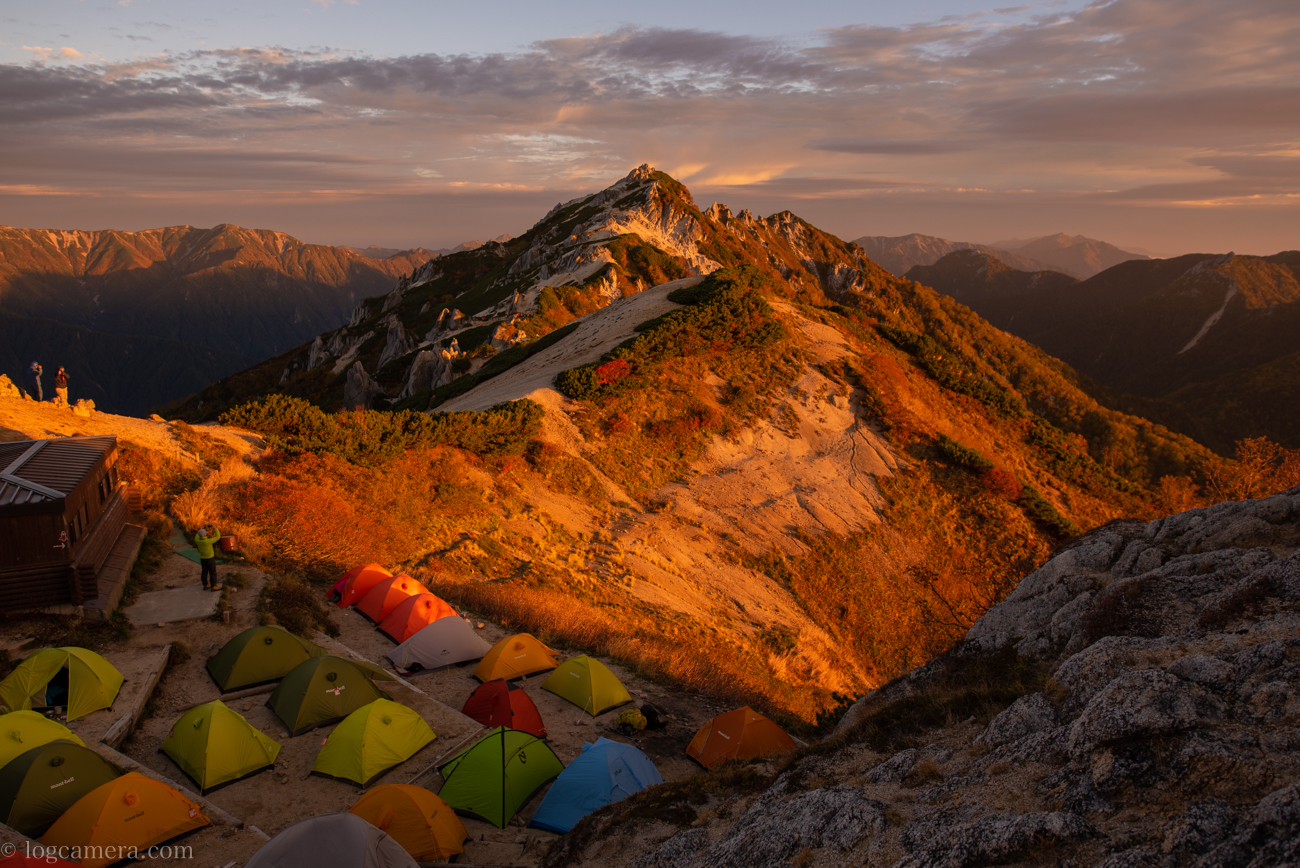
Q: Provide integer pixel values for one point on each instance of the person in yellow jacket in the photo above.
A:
(204, 539)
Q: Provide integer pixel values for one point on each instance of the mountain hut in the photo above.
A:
(64, 539)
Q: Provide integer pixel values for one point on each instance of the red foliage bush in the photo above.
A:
(1001, 483)
(617, 424)
(612, 372)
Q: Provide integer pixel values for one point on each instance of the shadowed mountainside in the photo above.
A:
(1204, 343)
(232, 294)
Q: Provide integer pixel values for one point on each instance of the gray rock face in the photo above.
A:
(1163, 729)
(774, 829)
(359, 391)
(1146, 703)
(1027, 715)
(994, 840)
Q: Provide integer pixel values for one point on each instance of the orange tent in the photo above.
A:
(739, 734)
(380, 601)
(362, 580)
(421, 822)
(414, 614)
(514, 657)
(132, 811)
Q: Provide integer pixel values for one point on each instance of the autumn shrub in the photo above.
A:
(1262, 468)
(1038, 507)
(159, 477)
(297, 606)
(1001, 483)
(210, 450)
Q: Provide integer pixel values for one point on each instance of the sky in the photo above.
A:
(1162, 126)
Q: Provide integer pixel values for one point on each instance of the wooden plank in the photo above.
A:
(233, 695)
(118, 732)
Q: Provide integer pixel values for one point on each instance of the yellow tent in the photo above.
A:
(20, 731)
(421, 822)
(513, 657)
(91, 682)
(131, 812)
(215, 745)
(588, 684)
(371, 740)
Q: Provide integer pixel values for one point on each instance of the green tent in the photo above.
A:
(73, 677)
(493, 778)
(259, 655)
(20, 731)
(588, 684)
(323, 690)
(371, 740)
(39, 785)
(215, 745)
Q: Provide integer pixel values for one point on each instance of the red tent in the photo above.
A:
(414, 614)
(380, 601)
(500, 703)
(356, 581)
(20, 859)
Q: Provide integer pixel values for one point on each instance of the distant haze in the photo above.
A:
(1163, 125)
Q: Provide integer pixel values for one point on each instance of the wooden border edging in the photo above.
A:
(231, 696)
(118, 732)
(424, 771)
(217, 815)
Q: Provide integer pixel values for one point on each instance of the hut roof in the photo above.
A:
(45, 471)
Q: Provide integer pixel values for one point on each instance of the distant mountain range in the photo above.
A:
(1076, 256)
(377, 252)
(231, 295)
(1207, 344)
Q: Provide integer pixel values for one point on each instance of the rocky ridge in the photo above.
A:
(1135, 701)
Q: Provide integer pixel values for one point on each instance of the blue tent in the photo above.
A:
(606, 772)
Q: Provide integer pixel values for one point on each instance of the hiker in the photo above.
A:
(34, 375)
(204, 539)
(61, 386)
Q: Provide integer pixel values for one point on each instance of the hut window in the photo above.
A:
(72, 530)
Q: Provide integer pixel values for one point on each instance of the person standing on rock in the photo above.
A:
(204, 539)
(34, 375)
(61, 386)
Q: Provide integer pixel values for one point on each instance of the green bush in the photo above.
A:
(580, 384)
(962, 456)
(951, 371)
(1038, 507)
(294, 426)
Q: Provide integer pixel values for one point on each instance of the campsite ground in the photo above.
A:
(277, 798)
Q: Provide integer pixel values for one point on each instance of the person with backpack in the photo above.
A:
(61, 386)
(34, 375)
(204, 540)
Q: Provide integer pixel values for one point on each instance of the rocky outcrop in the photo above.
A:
(359, 391)
(1158, 723)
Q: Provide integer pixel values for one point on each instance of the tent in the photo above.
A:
(215, 745)
(20, 731)
(605, 772)
(422, 823)
(37, 786)
(380, 601)
(258, 655)
(357, 581)
(323, 690)
(371, 740)
(588, 684)
(331, 841)
(739, 734)
(414, 614)
(514, 657)
(132, 811)
(500, 703)
(73, 677)
(493, 778)
(445, 642)
(336, 591)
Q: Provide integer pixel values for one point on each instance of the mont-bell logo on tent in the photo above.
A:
(335, 690)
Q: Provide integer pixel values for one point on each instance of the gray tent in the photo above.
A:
(445, 642)
(332, 841)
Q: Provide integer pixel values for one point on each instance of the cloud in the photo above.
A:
(1126, 101)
